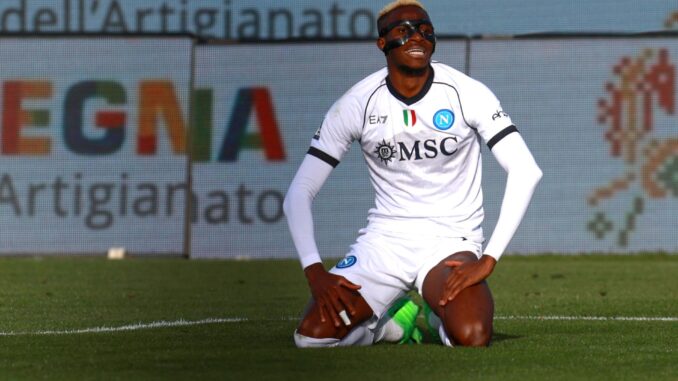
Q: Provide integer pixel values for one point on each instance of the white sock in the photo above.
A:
(360, 335)
(435, 323)
(443, 337)
(310, 342)
(388, 330)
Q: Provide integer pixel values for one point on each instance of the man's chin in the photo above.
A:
(414, 70)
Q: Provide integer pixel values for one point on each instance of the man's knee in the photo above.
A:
(471, 335)
(313, 326)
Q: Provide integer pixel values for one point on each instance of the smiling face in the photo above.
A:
(407, 38)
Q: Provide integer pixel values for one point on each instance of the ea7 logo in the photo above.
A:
(498, 114)
(377, 119)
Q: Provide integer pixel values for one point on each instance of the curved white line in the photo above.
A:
(184, 323)
(130, 327)
(589, 318)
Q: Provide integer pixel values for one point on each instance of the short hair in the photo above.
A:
(397, 4)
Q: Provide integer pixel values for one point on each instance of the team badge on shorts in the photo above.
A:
(443, 119)
(347, 262)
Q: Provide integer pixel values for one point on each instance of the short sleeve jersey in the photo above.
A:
(423, 153)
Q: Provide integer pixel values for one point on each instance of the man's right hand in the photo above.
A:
(332, 293)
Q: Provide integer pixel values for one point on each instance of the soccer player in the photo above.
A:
(419, 124)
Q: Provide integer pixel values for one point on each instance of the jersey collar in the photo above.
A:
(417, 97)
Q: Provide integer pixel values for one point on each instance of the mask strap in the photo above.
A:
(384, 31)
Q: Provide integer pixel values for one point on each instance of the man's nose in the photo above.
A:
(416, 33)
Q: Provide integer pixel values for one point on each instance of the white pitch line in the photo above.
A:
(590, 318)
(130, 327)
(184, 323)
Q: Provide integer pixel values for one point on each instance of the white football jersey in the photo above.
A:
(423, 153)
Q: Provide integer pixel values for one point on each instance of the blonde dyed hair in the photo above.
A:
(397, 4)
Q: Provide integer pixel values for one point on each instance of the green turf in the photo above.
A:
(73, 293)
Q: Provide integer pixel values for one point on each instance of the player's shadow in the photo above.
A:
(497, 337)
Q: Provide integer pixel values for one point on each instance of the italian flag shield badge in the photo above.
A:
(409, 118)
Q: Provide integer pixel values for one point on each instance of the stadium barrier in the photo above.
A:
(96, 150)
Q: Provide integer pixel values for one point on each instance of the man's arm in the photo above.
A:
(523, 175)
(310, 177)
(330, 292)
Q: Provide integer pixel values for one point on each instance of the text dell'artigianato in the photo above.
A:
(220, 19)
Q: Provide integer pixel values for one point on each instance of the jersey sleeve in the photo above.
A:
(306, 184)
(486, 115)
(341, 126)
(523, 175)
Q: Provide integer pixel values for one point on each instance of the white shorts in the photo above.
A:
(387, 266)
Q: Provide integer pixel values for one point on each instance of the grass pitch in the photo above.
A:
(558, 318)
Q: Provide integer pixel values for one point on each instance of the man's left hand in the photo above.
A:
(465, 274)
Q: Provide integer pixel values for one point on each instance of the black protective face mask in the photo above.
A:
(412, 27)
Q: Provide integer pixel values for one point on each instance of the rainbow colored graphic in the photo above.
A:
(644, 84)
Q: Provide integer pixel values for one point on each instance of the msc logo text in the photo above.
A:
(417, 150)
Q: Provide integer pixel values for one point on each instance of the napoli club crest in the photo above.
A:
(349, 261)
(443, 119)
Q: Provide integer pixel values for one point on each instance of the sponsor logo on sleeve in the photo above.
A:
(499, 114)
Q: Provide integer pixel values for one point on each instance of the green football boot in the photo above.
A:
(404, 313)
